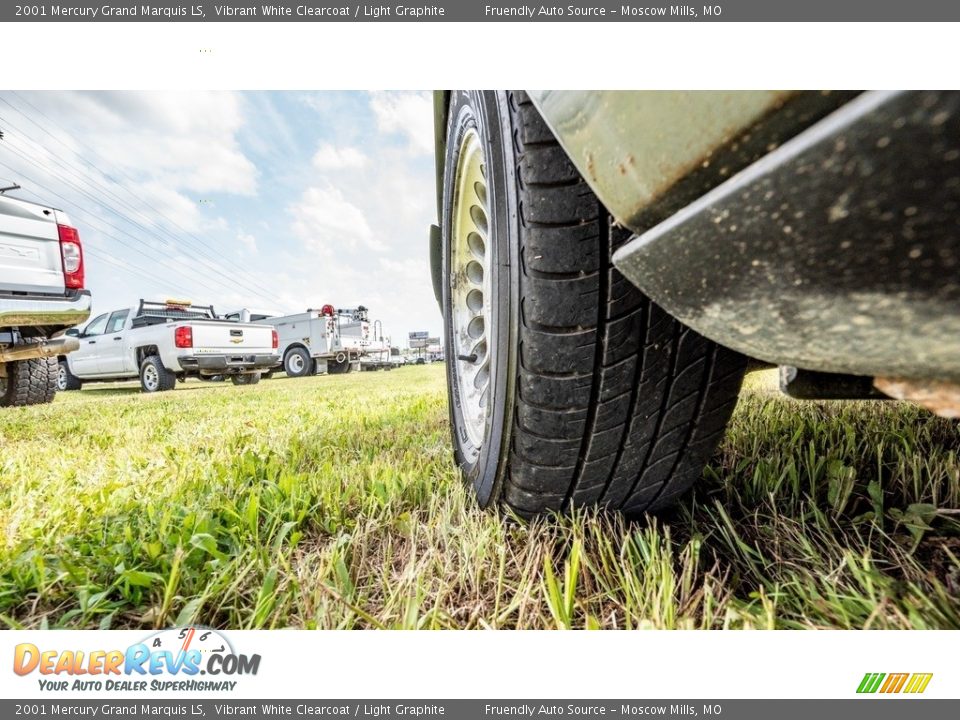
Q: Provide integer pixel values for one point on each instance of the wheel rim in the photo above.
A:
(295, 363)
(151, 379)
(61, 378)
(470, 286)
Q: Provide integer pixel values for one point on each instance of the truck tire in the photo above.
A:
(66, 380)
(246, 379)
(29, 382)
(154, 377)
(568, 387)
(297, 362)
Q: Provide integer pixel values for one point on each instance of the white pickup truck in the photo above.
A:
(164, 342)
(41, 295)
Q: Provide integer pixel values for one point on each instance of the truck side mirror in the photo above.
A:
(73, 332)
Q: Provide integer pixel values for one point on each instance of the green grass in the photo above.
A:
(333, 502)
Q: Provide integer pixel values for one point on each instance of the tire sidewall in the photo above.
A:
(143, 368)
(165, 381)
(306, 362)
(483, 467)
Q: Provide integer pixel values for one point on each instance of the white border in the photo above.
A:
(561, 55)
(626, 55)
(546, 664)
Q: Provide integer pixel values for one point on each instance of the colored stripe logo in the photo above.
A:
(913, 683)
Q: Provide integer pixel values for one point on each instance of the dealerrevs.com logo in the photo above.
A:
(889, 683)
(168, 660)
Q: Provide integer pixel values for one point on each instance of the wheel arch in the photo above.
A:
(441, 110)
(144, 351)
(294, 346)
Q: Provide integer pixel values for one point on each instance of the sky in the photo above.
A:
(277, 201)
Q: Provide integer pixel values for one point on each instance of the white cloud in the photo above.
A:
(409, 114)
(325, 221)
(159, 146)
(187, 138)
(165, 202)
(248, 241)
(331, 157)
(339, 214)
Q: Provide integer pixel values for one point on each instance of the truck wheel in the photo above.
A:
(154, 377)
(246, 379)
(66, 380)
(297, 362)
(567, 385)
(29, 382)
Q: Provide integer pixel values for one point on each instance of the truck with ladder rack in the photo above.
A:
(163, 342)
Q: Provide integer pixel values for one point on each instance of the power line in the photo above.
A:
(94, 223)
(201, 248)
(221, 259)
(125, 266)
(98, 252)
(215, 269)
(82, 175)
(206, 279)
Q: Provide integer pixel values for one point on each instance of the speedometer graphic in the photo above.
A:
(181, 640)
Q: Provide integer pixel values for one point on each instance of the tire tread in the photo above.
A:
(618, 404)
(30, 382)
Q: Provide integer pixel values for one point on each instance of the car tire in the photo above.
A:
(29, 382)
(246, 379)
(298, 363)
(66, 380)
(154, 377)
(573, 388)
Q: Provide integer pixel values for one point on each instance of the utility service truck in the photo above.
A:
(162, 342)
(328, 340)
(41, 295)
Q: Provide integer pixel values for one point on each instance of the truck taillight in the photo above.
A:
(71, 253)
(275, 339)
(183, 336)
